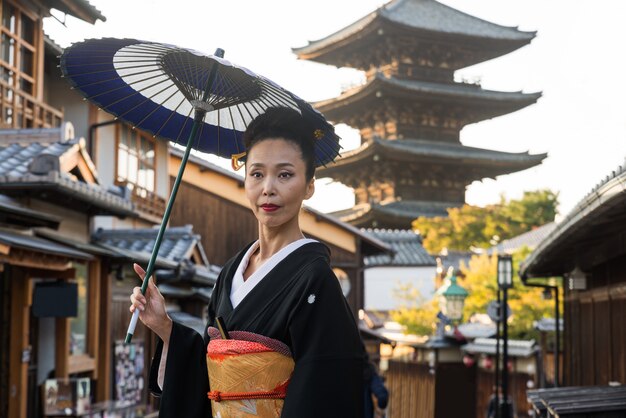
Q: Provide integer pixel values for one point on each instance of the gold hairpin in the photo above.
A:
(318, 134)
(234, 161)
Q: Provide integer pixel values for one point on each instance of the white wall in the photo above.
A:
(380, 283)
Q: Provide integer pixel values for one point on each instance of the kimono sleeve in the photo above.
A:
(328, 376)
(186, 380)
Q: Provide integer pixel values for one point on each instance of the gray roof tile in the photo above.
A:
(20, 147)
(427, 15)
(406, 245)
(177, 243)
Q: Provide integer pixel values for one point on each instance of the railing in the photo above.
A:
(21, 110)
(147, 203)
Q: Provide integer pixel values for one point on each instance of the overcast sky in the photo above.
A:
(577, 60)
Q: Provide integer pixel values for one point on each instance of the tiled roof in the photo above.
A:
(14, 213)
(406, 246)
(30, 161)
(427, 15)
(30, 242)
(80, 9)
(408, 209)
(516, 348)
(599, 212)
(177, 244)
(528, 239)
(440, 150)
(471, 92)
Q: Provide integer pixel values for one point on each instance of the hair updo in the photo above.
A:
(288, 124)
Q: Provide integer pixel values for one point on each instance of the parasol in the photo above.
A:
(200, 101)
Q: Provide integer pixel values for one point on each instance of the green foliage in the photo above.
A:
(416, 314)
(526, 303)
(475, 227)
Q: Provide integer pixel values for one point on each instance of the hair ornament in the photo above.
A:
(318, 134)
(234, 161)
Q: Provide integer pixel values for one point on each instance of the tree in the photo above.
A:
(527, 303)
(475, 227)
(480, 280)
(416, 313)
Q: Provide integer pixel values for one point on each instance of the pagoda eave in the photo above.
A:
(486, 39)
(392, 215)
(486, 163)
(370, 94)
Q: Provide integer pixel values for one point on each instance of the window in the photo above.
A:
(19, 58)
(135, 159)
(18, 54)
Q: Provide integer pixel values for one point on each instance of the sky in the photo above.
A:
(577, 61)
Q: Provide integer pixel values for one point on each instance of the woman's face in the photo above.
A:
(276, 182)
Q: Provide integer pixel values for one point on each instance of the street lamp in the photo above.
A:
(505, 282)
(452, 297)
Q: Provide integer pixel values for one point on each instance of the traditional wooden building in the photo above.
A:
(588, 250)
(410, 110)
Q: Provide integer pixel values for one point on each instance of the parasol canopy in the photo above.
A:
(158, 87)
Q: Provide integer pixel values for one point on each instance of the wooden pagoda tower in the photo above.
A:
(410, 110)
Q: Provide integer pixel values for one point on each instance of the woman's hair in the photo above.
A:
(288, 124)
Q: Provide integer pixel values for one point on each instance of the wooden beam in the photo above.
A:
(5, 249)
(70, 273)
(93, 316)
(21, 291)
(25, 258)
(62, 348)
(104, 328)
(81, 363)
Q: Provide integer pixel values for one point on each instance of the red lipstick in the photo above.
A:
(268, 207)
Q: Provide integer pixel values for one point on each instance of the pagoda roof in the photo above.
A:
(471, 94)
(433, 152)
(417, 15)
(394, 214)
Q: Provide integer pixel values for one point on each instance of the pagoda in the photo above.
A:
(410, 110)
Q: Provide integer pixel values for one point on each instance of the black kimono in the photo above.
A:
(300, 303)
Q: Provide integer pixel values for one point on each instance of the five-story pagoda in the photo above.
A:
(410, 110)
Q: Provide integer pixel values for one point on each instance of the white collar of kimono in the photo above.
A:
(241, 288)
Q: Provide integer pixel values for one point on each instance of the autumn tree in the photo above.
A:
(475, 227)
(527, 303)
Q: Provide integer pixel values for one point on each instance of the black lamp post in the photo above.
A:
(505, 282)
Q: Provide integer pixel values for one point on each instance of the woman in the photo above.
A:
(280, 288)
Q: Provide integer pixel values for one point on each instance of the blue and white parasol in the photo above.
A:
(200, 101)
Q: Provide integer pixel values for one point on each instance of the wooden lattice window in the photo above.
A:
(19, 32)
(136, 159)
(21, 68)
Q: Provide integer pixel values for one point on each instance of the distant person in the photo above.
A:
(492, 406)
(375, 386)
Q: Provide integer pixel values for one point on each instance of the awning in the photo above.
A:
(12, 239)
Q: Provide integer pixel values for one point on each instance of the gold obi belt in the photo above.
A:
(248, 374)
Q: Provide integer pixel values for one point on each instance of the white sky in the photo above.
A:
(578, 61)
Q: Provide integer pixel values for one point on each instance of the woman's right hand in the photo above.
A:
(151, 307)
